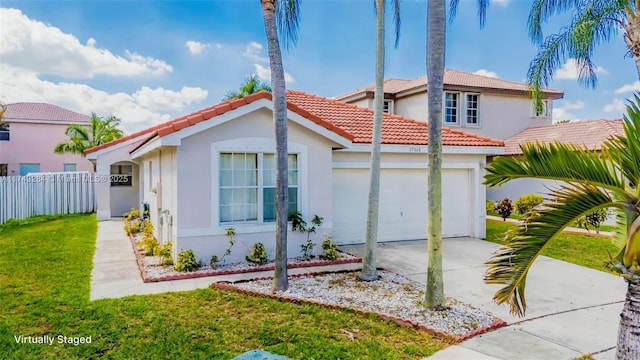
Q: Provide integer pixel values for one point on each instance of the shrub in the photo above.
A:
(526, 203)
(307, 248)
(504, 208)
(134, 227)
(231, 232)
(593, 219)
(164, 251)
(258, 254)
(330, 249)
(149, 245)
(298, 224)
(187, 261)
(147, 227)
(490, 206)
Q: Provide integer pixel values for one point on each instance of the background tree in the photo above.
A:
(252, 84)
(592, 181)
(82, 137)
(280, 16)
(592, 22)
(436, 41)
(3, 108)
(369, 268)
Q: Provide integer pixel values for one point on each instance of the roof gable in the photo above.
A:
(452, 78)
(41, 112)
(588, 133)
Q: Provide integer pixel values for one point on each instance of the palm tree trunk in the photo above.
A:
(632, 39)
(369, 270)
(629, 330)
(436, 27)
(280, 280)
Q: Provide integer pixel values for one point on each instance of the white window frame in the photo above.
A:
(5, 128)
(445, 107)
(390, 106)
(545, 113)
(254, 145)
(477, 108)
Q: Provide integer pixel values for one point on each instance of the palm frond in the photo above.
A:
(542, 10)
(555, 161)
(624, 151)
(511, 263)
(287, 21)
(396, 21)
(482, 10)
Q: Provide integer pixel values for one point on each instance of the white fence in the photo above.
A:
(46, 194)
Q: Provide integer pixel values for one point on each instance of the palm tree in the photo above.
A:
(83, 137)
(592, 181)
(593, 22)
(252, 84)
(280, 16)
(369, 268)
(436, 40)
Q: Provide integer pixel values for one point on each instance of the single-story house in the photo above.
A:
(590, 134)
(214, 169)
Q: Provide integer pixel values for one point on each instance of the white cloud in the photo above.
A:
(44, 49)
(563, 112)
(163, 99)
(142, 109)
(253, 52)
(197, 48)
(487, 73)
(264, 74)
(568, 105)
(628, 88)
(570, 70)
(501, 2)
(617, 106)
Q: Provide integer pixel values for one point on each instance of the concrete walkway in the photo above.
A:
(572, 311)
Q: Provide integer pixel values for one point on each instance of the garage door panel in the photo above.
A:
(403, 204)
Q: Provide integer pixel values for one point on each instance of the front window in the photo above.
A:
(541, 112)
(69, 167)
(473, 115)
(4, 132)
(387, 106)
(248, 187)
(451, 108)
(29, 168)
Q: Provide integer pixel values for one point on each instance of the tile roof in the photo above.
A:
(395, 129)
(589, 133)
(451, 78)
(350, 121)
(180, 123)
(42, 112)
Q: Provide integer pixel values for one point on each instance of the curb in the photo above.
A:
(230, 286)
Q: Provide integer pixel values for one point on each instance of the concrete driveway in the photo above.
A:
(572, 310)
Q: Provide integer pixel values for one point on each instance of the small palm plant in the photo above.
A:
(592, 181)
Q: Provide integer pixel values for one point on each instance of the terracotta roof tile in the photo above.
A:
(42, 112)
(451, 78)
(589, 133)
(350, 121)
(358, 121)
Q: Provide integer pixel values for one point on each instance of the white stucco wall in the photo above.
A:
(197, 174)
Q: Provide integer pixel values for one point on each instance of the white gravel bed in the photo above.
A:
(392, 295)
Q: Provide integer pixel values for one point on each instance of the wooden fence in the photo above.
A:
(46, 194)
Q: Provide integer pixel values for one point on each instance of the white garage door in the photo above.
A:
(403, 204)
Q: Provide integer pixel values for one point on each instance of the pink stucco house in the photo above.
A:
(28, 135)
(214, 169)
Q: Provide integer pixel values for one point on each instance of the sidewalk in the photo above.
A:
(570, 230)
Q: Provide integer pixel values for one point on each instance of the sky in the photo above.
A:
(151, 61)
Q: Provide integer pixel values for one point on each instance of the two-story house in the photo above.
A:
(477, 104)
(28, 134)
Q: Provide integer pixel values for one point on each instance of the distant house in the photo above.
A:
(590, 134)
(215, 168)
(28, 135)
(477, 104)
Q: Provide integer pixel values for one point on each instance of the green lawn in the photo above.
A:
(45, 270)
(589, 251)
